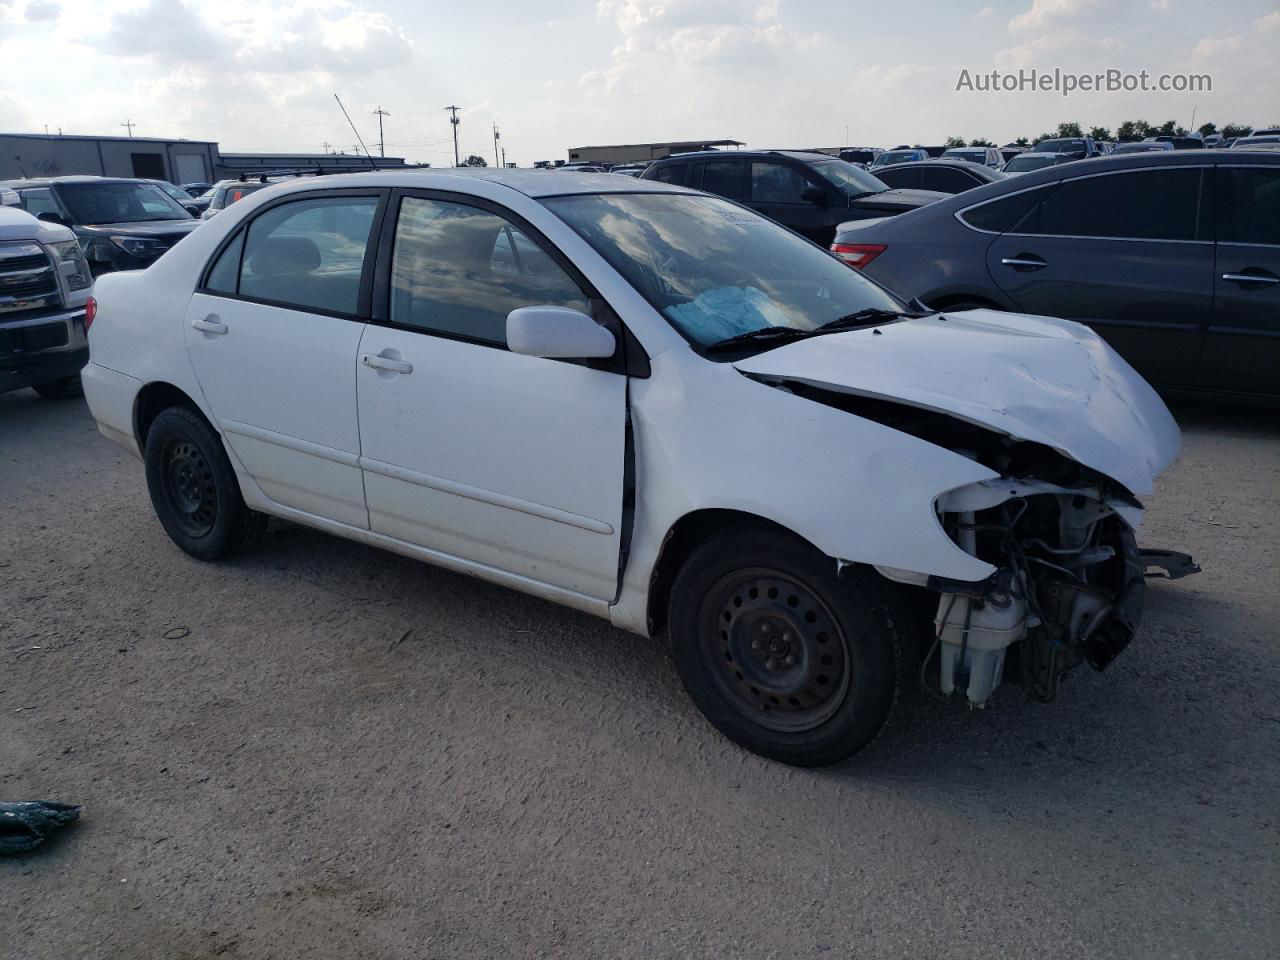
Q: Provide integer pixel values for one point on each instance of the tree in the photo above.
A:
(1070, 130)
(1207, 129)
(1169, 128)
(1133, 130)
(1230, 130)
(956, 142)
(1023, 142)
(1100, 133)
(474, 160)
(981, 142)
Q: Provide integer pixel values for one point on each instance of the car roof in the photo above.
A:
(747, 154)
(952, 162)
(532, 183)
(81, 178)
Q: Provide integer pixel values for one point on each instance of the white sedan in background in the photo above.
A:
(656, 406)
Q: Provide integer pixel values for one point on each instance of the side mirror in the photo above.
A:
(48, 216)
(814, 195)
(193, 210)
(558, 332)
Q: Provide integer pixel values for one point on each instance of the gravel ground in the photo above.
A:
(323, 750)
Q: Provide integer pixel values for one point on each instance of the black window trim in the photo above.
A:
(1055, 184)
(629, 357)
(362, 313)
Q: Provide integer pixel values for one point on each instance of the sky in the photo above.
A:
(554, 74)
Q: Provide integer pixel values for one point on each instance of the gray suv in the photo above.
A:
(1173, 257)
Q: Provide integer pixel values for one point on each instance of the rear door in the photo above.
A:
(725, 178)
(273, 334)
(902, 178)
(775, 189)
(1130, 254)
(1242, 349)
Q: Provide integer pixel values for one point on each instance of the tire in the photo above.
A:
(784, 655)
(194, 489)
(64, 388)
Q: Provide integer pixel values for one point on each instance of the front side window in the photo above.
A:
(309, 253)
(676, 173)
(776, 183)
(1144, 205)
(1249, 205)
(715, 270)
(947, 180)
(459, 270)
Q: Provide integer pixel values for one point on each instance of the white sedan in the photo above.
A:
(656, 406)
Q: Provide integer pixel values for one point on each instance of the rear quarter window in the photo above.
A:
(999, 216)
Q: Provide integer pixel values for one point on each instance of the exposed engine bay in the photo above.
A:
(1070, 582)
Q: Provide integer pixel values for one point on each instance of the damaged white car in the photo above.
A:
(655, 406)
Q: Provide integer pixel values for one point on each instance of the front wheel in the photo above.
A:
(784, 655)
(193, 487)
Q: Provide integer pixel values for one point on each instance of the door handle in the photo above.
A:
(379, 362)
(1250, 278)
(1024, 261)
(210, 324)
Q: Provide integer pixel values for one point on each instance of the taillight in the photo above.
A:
(90, 311)
(857, 254)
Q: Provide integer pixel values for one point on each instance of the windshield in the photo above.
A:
(128, 201)
(963, 154)
(1059, 146)
(854, 181)
(1026, 162)
(716, 270)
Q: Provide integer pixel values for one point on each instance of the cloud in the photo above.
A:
(1049, 13)
(42, 11)
(986, 12)
(1270, 22)
(1211, 48)
(1161, 5)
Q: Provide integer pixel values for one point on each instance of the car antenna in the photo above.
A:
(372, 165)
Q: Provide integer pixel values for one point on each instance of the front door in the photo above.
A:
(273, 335)
(777, 191)
(1242, 350)
(511, 462)
(1125, 253)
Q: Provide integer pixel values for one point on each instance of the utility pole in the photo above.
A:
(382, 146)
(504, 156)
(496, 137)
(453, 119)
(328, 147)
(130, 124)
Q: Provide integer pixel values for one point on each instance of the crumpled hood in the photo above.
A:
(1039, 379)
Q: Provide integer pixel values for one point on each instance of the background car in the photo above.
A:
(195, 189)
(940, 176)
(122, 224)
(629, 169)
(227, 192)
(809, 192)
(901, 155)
(1026, 162)
(1077, 148)
(1244, 143)
(986, 156)
(1174, 258)
(1181, 143)
(863, 155)
(180, 196)
(44, 287)
(1142, 146)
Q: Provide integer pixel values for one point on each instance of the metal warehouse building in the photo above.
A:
(178, 161)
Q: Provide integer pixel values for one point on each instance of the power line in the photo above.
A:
(355, 131)
(382, 146)
(453, 119)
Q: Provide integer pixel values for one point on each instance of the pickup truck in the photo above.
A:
(44, 290)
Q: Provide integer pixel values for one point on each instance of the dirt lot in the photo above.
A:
(322, 750)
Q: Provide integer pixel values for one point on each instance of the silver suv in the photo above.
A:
(44, 289)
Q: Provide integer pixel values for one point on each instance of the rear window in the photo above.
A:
(677, 173)
(1000, 215)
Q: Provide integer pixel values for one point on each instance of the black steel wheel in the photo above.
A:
(774, 650)
(194, 488)
(187, 480)
(785, 655)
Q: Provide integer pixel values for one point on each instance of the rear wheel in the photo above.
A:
(64, 388)
(781, 653)
(194, 489)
